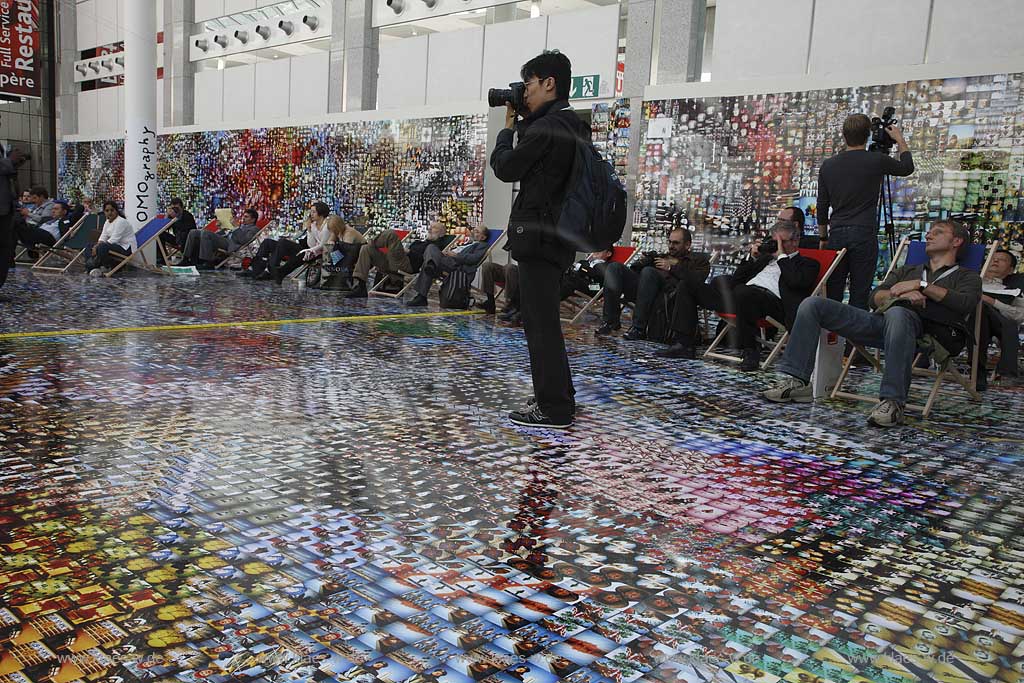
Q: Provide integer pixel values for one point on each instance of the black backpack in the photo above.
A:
(455, 290)
(594, 211)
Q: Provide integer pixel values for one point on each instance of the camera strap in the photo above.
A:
(924, 275)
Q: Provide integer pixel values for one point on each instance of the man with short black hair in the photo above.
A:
(934, 298)
(849, 184)
(662, 274)
(42, 207)
(541, 162)
(1001, 317)
(202, 245)
(49, 232)
(184, 223)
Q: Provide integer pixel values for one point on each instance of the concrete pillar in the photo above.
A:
(361, 57)
(66, 90)
(179, 72)
(140, 181)
(336, 73)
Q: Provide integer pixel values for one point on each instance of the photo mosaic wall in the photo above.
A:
(730, 163)
(392, 172)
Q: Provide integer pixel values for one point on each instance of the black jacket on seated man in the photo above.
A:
(770, 284)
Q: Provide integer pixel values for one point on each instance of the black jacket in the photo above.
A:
(796, 282)
(693, 267)
(541, 162)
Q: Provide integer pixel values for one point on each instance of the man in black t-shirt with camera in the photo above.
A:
(848, 190)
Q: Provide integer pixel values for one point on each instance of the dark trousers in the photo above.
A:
(435, 264)
(542, 323)
(102, 258)
(858, 265)
(652, 283)
(262, 257)
(508, 274)
(714, 296)
(573, 282)
(6, 246)
(995, 324)
(31, 236)
(620, 283)
(285, 258)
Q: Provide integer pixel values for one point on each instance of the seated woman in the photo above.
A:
(117, 237)
(273, 252)
(343, 249)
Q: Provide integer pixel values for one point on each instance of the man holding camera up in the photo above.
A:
(541, 161)
(848, 191)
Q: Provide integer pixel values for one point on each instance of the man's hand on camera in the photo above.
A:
(510, 117)
(755, 249)
(663, 263)
(896, 134)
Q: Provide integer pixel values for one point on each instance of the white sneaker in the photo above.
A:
(96, 272)
(886, 414)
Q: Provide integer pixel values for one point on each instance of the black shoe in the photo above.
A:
(489, 307)
(265, 275)
(606, 329)
(244, 273)
(678, 350)
(534, 417)
(635, 334)
(418, 301)
(508, 314)
(751, 360)
(357, 292)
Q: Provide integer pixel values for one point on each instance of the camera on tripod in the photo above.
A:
(881, 141)
(499, 97)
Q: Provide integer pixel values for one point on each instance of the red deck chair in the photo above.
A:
(623, 255)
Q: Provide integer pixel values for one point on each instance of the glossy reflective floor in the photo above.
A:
(345, 502)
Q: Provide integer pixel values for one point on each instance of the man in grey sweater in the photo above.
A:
(937, 295)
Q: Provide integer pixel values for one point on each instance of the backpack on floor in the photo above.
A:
(659, 327)
(455, 290)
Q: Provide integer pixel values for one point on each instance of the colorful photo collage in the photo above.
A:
(728, 164)
(386, 174)
(610, 133)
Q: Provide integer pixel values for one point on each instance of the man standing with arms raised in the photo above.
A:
(542, 162)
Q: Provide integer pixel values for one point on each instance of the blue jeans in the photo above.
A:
(859, 264)
(896, 331)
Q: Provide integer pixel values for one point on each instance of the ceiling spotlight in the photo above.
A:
(396, 6)
(221, 40)
(82, 69)
(108, 64)
(203, 45)
(430, 3)
(311, 21)
(286, 26)
(119, 61)
(242, 36)
(263, 31)
(94, 66)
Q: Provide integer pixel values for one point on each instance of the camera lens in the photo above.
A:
(499, 97)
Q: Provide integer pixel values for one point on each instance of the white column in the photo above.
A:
(140, 181)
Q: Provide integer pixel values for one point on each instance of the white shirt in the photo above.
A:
(769, 276)
(120, 232)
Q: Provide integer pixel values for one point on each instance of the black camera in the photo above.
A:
(499, 97)
(881, 141)
(769, 246)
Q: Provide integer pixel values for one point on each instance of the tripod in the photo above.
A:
(885, 212)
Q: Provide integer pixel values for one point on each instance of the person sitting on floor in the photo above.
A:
(117, 237)
(1001, 317)
(437, 263)
(49, 232)
(934, 298)
(390, 265)
(201, 246)
(649, 278)
(770, 284)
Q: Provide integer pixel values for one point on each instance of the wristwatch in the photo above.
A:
(923, 283)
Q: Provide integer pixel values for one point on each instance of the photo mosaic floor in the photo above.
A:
(345, 502)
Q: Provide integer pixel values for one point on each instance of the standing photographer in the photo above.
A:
(8, 170)
(542, 162)
(849, 185)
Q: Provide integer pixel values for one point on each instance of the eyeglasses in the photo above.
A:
(676, 242)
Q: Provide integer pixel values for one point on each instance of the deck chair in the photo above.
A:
(42, 248)
(71, 246)
(171, 249)
(379, 280)
(263, 224)
(143, 237)
(379, 283)
(974, 259)
(623, 255)
(827, 260)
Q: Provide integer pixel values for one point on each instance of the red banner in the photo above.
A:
(20, 61)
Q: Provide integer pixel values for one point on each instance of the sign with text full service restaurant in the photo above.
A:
(20, 44)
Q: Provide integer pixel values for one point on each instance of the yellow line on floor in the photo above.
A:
(241, 323)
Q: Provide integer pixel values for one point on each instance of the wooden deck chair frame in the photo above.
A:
(379, 280)
(375, 291)
(236, 254)
(947, 372)
(130, 258)
(767, 323)
(47, 247)
(600, 293)
(61, 249)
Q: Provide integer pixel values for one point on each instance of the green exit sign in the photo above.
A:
(584, 87)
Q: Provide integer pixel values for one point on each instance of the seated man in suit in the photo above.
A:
(202, 245)
(771, 283)
(49, 232)
(1001, 317)
(436, 263)
(934, 298)
(658, 274)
